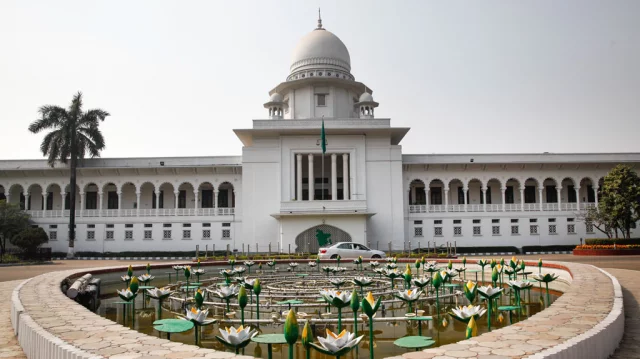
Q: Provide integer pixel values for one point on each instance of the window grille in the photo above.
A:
(477, 231)
(206, 234)
(457, 231)
(166, 234)
(589, 228)
(148, 234)
(186, 234)
(495, 230)
(226, 233)
(552, 229)
(533, 229)
(91, 235)
(437, 231)
(514, 230)
(109, 236)
(128, 235)
(417, 232)
(53, 236)
(571, 228)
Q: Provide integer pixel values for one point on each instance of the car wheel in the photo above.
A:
(376, 256)
(335, 256)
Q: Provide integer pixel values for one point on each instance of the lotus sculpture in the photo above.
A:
(198, 272)
(362, 282)
(236, 338)
(470, 291)
(232, 262)
(337, 344)
(291, 331)
(370, 306)
(225, 293)
(293, 266)
(421, 282)
(327, 270)
(337, 282)
(490, 294)
(546, 279)
(338, 299)
(199, 319)
(392, 274)
(464, 314)
(239, 269)
(409, 296)
(517, 286)
(159, 294)
(249, 264)
(407, 276)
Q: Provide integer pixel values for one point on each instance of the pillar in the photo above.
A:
(559, 191)
(540, 196)
(195, 196)
(595, 193)
(45, 200)
(63, 195)
(412, 195)
(215, 202)
(299, 177)
(446, 200)
(465, 190)
(119, 202)
(426, 198)
(157, 207)
(312, 179)
(27, 206)
(138, 203)
(82, 195)
(522, 198)
(176, 194)
(334, 177)
(345, 177)
(504, 198)
(100, 204)
(577, 188)
(484, 199)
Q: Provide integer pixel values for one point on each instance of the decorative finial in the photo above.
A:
(319, 20)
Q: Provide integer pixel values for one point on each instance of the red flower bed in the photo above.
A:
(607, 250)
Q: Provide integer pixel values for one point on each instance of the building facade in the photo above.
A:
(284, 188)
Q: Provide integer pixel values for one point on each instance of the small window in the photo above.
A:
(91, 226)
(206, 225)
(226, 224)
(533, 229)
(128, 235)
(148, 225)
(437, 221)
(495, 230)
(457, 221)
(515, 230)
(417, 232)
(495, 221)
(186, 225)
(570, 219)
(320, 73)
(53, 226)
(514, 221)
(571, 228)
(322, 99)
(437, 231)
(417, 222)
(477, 231)
(533, 220)
(91, 235)
(206, 234)
(53, 236)
(166, 234)
(128, 225)
(166, 225)
(457, 231)
(109, 236)
(552, 229)
(109, 225)
(148, 234)
(552, 220)
(476, 221)
(226, 234)
(589, 228)
(186, 234)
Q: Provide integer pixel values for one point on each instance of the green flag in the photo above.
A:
(323, 139)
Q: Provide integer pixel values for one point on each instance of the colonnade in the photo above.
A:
(311, 176)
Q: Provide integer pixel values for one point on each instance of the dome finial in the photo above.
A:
(319, 20)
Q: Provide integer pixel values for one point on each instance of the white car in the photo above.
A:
(349, 250)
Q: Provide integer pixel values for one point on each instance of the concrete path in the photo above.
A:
(630, 346)
(9, 347)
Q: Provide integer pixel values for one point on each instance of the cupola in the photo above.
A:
(275, 106)
(365, 105)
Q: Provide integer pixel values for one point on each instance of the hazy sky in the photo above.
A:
(466, 76)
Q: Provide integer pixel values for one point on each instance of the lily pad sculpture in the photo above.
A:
(370, 307)
(236, 338)
(546, 279)
(489, 293)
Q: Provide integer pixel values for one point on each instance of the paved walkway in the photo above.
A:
(9, 347)
(630, 346)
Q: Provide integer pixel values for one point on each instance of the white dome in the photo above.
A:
(321, 50)
(276, 97)
(366, 97)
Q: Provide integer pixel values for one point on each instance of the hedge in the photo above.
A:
(499, 249)
(610, 241)
(553, 248)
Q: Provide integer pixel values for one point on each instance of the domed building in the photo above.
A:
(320, 161)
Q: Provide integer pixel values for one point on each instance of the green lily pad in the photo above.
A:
(291, 301)
(413, 342)
(172, 325)
(421, 318)
(508, 307)
(269, 339)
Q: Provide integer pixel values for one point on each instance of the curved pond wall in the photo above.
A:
(586, 321)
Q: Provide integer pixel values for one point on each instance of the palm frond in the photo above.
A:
(75, 109)
(91, 117)
(51, 117)
(95, 136)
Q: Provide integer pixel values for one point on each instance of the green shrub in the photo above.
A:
(552, 248)
(500, 249)
(611, 241)
(28, 240)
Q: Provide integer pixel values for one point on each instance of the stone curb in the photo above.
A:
(16, 306)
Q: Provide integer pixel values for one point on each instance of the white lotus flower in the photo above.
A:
(390, 259)
(337, 281)
(409, 295)
(145, 278)
(238, 336)
(126, 294)
(225, 292)
(248, 283)
(451, 272)
(432, 263)
(330, 295)
(392, 265)
(199, 316)
(421, 281)
(379, 270)
(249, 263)
(362, 281)
(374, 263)
(394, 272)
(197, 271)
(312, 264)
(334, 343)
(178, 267)
(159, 293)
(293, 264)
(227, 272)
(125, 278)
(239, 269)
(488, 291)
(520, 284)
(469, 311)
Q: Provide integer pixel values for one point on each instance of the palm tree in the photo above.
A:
(74, 134)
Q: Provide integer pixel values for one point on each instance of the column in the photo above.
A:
(215, 202)
(465, 191)
(7, 196)
(195, 196)
(45, 200)
(100, 204)
(504, 199)
(446, 200)
(345, 176)
(312, 179)
(334, 177)
(578, 196)
(138, 204)
(63, 195)
(522, 198)
(299, 177)
(426, 198)
(559, 190)
(484, 199)
(540, 196)
(595, 193)
(119, 202)
(27, 207)
(176, 193)
(81, 204)
(412, 195)
(157, 207)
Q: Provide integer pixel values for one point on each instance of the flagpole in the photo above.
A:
(322, 176)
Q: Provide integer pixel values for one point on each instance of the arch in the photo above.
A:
(512, 181)
(54, 187)
(16, 194)
(91, 187)
(33, 186)
(186, 196)
(417, 195)
(2, 193)
(456, 196)
(36, 201)
(226, 195)
(454, 181)
(307, 240)
(206, 184)
(128, 184)
(166, 197)
(472, 179)
(550, 179)
(474, 192)
(572, 179)
(589, 181)
(110, 186)
(435, 181)
(436, 192)
(535, 181)
(128, 196)
(206, 194)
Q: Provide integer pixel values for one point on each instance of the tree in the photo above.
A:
(74, 134)
(12, 221)
(29, 239)
(619, 199)
(600, 218)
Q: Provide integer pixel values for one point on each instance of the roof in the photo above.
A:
(545, 157)
(133, 162)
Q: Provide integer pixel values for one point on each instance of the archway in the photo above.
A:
(307, 241)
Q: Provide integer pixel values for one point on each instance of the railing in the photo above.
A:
(587, 205)
(475, 208)
(418, 208)
(498, 207)
(494, 207)
(512, 207)
(226, 211)
(147, 212)
(437, 208)
(550, 206)
(569, 206)
(456, 208)
(531, 207)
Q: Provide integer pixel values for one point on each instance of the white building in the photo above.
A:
(368, 192)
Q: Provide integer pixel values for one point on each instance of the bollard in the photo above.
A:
(289, 248)
(243, 249)
(197, 251)
(428, 247)
(213, 250)
(409, 248)
(418, 247)
(269, 249)
(206, 251)
(378, 245)
(257, 251)
(279, 251)
(455, 248)
(227, 251)
(389, 249)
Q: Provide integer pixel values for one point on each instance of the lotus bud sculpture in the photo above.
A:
(546, 279)
(470, 291)
(489, 293)
(358, 262)
(407, 276)
(355, 305)
(130, 271)
(307, 338)
(338, 258)
(437, 281)
(232, 262)
(472, 329)
(417, 265)
(291, 331)
(338, 299)
(540, 266)
(495, 275)
(337, 345)
(370, 307)
(236, 338)
(243, 299)
(198, 298)
(409, 296)
(464, 314)
(148, 268)
(257, 288)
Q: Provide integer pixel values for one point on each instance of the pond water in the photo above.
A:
(283, 285)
